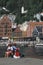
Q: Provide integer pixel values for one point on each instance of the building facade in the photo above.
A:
(35, 28)
(5, 27)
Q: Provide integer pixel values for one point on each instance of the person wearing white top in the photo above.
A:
(9, 51)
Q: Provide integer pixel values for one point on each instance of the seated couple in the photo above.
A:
(12, 51)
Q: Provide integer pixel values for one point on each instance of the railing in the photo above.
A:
(21, 42)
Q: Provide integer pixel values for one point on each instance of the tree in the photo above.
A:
(3, 3)
(14, 6)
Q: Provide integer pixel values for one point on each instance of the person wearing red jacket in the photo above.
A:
(16, 54)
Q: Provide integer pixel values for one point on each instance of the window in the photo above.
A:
(8, 34)
(2, 23)
(39, 28)
(9, 30)
(10, 27)
(19, 34)
(35, 32)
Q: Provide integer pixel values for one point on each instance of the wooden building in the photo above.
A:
(35, 28)
(5, 26)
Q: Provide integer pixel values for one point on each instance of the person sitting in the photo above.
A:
(13, 48)
(16, 54)
(9, 51)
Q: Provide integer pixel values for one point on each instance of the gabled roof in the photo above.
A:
(17, 29)
(11, 17)
(4, 18)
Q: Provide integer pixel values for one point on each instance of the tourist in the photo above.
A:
(16, 54)
(9, 51)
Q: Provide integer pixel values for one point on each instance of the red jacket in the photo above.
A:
(17, 53)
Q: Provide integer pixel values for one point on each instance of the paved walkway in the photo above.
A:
(22, 61)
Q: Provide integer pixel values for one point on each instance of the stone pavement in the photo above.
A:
(21, 61)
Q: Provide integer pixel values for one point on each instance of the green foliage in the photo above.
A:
(14, 6)
(3, 2)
